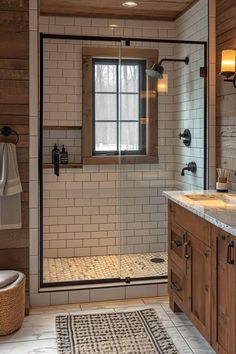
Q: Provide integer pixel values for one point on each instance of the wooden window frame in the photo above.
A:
(151, 57)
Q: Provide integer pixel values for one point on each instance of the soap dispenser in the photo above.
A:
(56, 159)
(55, 152)
(64, 155)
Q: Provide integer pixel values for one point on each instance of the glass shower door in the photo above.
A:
(141, 177)
(80, 232)
(153, 156)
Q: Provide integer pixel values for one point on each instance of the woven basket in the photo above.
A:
(12, 306)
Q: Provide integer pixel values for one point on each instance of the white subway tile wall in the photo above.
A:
(86, 212)
(126, 227)
(189, 95)
(145, 204)
(101, 210)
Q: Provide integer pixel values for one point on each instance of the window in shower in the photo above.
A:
(120, 113)
(119, 106)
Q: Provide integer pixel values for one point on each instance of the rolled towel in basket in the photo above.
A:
(10, 188)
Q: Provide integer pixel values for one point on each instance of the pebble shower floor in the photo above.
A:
(104, 267)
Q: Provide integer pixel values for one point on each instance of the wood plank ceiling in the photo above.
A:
(145, 9)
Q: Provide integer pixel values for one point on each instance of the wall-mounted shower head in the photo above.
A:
(157, 70)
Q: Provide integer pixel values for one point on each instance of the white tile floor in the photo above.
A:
(38, 335)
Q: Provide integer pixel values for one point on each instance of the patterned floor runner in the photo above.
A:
(136, 332)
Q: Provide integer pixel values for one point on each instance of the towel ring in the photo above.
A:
(7, 131)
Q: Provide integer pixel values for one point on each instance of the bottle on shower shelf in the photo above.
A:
(55, 152)
(64, 155)
(56, 159)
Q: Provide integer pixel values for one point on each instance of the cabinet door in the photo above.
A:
(199, 284)
(177, 239)
(177, 288)
(224, 279)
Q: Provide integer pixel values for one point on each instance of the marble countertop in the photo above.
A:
(222, 215)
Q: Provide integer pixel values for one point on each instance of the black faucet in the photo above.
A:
(191, 166)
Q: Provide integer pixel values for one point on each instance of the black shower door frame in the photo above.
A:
(125, 41)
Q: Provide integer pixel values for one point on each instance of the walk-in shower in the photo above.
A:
(103, 216)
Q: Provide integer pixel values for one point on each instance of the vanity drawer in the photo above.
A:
(198, 227)
(177, 240)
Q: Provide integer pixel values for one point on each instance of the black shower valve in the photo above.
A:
(186, 135)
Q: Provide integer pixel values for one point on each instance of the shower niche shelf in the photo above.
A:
(70, 136)
(68, 165)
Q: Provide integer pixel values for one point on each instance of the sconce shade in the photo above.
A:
(228, 60)
(162, 84)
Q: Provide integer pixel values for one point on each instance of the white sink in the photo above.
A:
(213, 199)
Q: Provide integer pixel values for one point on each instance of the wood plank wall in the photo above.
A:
(14, 111)
(226, 93)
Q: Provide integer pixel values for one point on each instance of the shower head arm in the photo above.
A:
(186, 60)
(157, 69)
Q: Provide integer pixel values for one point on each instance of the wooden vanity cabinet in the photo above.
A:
(190, 267)
(202, 277)
(224, 292)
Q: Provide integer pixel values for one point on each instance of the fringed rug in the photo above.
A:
(136, 332)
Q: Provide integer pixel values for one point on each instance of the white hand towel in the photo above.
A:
(10, 188)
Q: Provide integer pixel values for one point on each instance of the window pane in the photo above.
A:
(105, 78)
(129, 105)
(129, 136)
(105, 136)
(129, 78)
(105, 106)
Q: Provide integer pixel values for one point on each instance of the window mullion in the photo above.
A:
(118, 108)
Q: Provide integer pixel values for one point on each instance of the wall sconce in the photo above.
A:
(228, 66)
(162, 84)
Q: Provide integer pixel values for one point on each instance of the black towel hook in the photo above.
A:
(7, 131)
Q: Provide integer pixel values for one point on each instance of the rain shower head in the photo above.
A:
(157, 70)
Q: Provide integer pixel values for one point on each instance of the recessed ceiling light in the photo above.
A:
(113, 25)
(129, 4)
